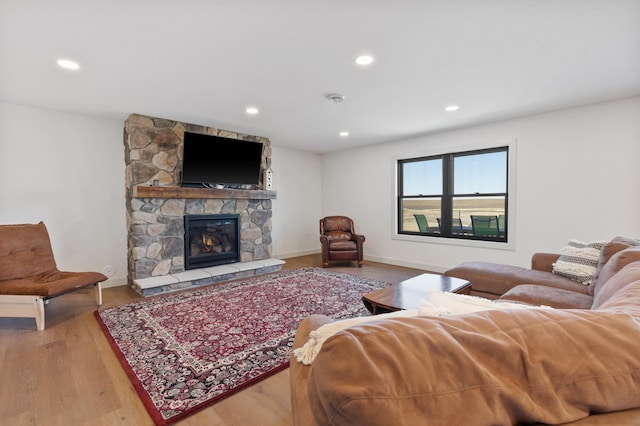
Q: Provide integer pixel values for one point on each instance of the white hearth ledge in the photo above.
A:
(206, 273)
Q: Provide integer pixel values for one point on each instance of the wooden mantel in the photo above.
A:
(146, 191)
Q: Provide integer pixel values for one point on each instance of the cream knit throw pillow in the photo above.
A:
(578, 260)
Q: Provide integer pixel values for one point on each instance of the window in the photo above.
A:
(461, 195)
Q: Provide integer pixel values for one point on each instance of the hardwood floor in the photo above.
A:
(69, 375)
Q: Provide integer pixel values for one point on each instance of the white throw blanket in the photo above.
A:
(439, 303)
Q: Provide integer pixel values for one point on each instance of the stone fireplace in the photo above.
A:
(157, 206)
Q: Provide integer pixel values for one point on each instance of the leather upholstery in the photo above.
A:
(339, 240)
(539, 285)
(27, 265)
(563, 366)
(25, 250)
(491, 367)
(491, 280)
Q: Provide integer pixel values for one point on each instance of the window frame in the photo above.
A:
(506, 243)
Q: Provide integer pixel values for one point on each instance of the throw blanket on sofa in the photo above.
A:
(439, 303)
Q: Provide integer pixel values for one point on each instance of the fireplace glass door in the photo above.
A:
(211, 240)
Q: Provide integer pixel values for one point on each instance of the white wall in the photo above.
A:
(578, 176)
(296, 211)
(68, 171)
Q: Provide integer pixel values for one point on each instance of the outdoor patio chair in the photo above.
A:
(423, 224)
(456, 226)
(485, 226)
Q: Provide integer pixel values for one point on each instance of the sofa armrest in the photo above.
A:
(492, 280)
(543, 261)
(299, 373)
(359, 240)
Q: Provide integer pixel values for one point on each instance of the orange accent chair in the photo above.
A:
(339, 240)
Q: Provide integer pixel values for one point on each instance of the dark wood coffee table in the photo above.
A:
(408, 293)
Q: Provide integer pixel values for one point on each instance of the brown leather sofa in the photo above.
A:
(530, 366)
(29, 275)
(339, 240)
(539, 285)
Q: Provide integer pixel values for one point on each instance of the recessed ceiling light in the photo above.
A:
(344, 134)
(68, 64)
(364, 60)
(452, 108)
(252, 110)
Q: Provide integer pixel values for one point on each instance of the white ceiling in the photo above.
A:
(205, 61)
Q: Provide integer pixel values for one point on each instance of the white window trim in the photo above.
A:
(511, 204)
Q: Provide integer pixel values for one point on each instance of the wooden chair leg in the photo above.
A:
(98, 292)
(38, 307)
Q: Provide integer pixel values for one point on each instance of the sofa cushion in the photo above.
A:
(493, 279)
(336, 236)
(627, 240)
(559, 298)
(25, 250)
(618, 261)
(502, 367)
(50, 284)
(627, 298)
(578, 261)
(608, 250)
(342, 245)
(623, 269)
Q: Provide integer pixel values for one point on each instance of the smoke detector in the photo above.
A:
(335, 98)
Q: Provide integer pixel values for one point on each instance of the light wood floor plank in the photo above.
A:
(68, 373)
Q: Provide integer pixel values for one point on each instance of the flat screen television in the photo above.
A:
(214, 160)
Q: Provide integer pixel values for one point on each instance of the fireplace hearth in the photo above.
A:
(211, 239)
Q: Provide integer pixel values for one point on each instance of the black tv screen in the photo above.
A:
(210, 160)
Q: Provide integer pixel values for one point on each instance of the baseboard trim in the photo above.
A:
(114, 282)
(118, 282)
(296, 254)
(416, 265)
(398, 262)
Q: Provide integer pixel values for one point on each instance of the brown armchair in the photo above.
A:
(339, 240)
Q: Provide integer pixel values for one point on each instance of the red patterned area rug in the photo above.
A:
(185, 351)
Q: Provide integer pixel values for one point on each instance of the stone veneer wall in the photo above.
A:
(155, 226)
